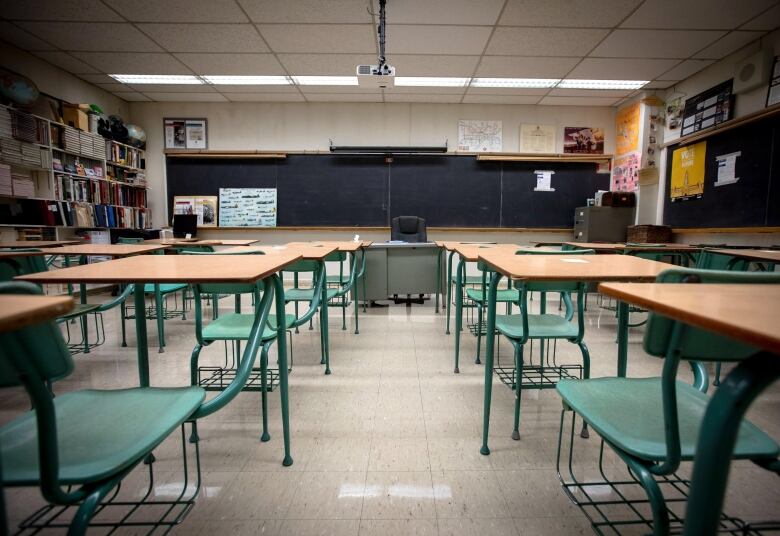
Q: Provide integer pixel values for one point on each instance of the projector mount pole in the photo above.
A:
(381, 32)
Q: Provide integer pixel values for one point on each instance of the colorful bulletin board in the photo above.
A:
(627, 122)
(687, 181)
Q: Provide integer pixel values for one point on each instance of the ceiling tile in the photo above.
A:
(264, 97)
(590, 92)
(61, 10)
(695, 14)
(355, 38)
(411, 39)
(343, 97)
(621, 68)
(544, 41)
(421, 97)
(431, 90)
(728, 44)
(567, 13)
(97, 78)
(133, 63)
(685, 69)
(206, 37)
(579, 101)
(501, 99)
(338, 89)
(433, 65)
(678, 44)
(766, 21)
(519, 91)
(484, 12)
(108, 36)
(179, 10)
(22, 38)
(132, 96)
(232, 64)
(525, 67)
(325, 64)
(660, 84)
(114, 87)
(186, 97)
(315, 11)
(256, 89)
(66, 61)
(172, 88)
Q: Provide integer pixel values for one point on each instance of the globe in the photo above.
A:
(136, 136)
(18, 88)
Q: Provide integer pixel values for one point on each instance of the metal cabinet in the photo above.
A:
(602, 224)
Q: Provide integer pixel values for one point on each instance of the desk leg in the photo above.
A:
(717, 438)
(449, 288)
(281, 345)
(83, 319)
(158, 306)
(324, 322)
(489, 343)
(438, 280)
(140, 329)
(356, 293)
(458, 310)
(622, 339)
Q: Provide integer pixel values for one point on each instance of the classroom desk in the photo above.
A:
(598, 247)
(183, 242)
(401, 268)
(590, 268)
(11, 244)
(157, 269)
(238, 241)
(752, 255)
(19, 311)
(729, 310)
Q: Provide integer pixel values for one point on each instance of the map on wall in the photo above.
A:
(479, 136)
(247, 207)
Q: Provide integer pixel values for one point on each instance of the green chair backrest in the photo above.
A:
(129, 240)
(336, 256)
(22, 265)
(698, 344)
(304, 265)
(709, 260)
(32, 351)
(226, 288)
(194, 249)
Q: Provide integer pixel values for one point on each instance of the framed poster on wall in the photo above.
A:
(185, 133)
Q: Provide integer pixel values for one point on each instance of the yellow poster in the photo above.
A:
(688, 171)
(627, 129)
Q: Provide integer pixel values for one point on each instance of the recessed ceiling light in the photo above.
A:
(430, 81)
(515, 82)
(247, 80)
(156, 78)
(602, 84)
(325, 80)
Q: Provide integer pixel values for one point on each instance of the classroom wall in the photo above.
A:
(58, 83)
(746, 103)
(311, 126)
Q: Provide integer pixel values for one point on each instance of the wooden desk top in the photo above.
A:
(771, 255)
(181, 242)
(659, 248)
(37, 253)
(237, 242)
(37, 243)
(452, 244)
(306, 250)
(572, 267)
(345, 245)
(105, 250)
(171, 269)
(726, 309)
(22, 310)
(598, 246)
(470, 252)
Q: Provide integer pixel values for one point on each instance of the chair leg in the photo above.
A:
(85, 332)
(518, 389)
(194, 438)
(158, 305)
(80, 523)
(717, 374)
(654, 495)
(264, 391)
(296, 315)
(586, 373)
(289, 334)
(344, 315)
(122, 313)
(479, 333)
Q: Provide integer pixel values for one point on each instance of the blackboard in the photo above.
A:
(753, 201)
(322, 190)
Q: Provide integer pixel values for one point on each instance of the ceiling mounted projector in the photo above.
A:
(376, 76)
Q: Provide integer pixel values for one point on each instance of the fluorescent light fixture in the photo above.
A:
(430, 81)
(530, 83)
(602, 84)
(325, 80)
(156, 78)
(247, 80)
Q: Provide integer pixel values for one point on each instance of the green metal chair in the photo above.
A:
(78, 447)
(344, 283)
(519, 329)
(654, 424)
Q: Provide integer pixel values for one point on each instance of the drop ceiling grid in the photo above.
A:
(490, 40)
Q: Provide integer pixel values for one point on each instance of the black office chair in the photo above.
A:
(408, 229)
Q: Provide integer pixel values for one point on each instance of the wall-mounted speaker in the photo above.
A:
(753, 71)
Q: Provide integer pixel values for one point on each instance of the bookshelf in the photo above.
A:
(58, 177)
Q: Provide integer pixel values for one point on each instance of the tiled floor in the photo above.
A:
(387, 444)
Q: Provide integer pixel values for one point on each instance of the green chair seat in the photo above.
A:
(289, 320)
(628, 413)
(234, 327)
(306, 294)
(99, 433)
(502, 295)
(80, 309)
(469, 280)
(340, 279)
(165, 288)
(539, 326)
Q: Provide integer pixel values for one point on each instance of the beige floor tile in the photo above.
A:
(328, 495)
(407, 454)
(393, 527)
(464, 526)
(473, 494)
(320, 527)
(398, 495)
